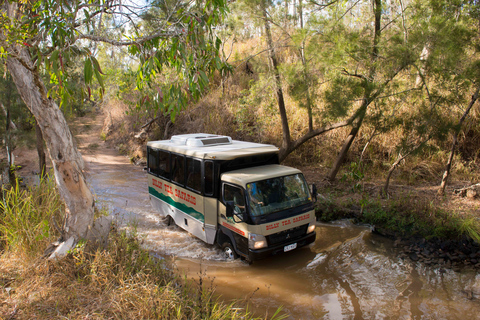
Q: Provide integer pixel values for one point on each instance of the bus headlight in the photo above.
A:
(311, 227)
(256, 241)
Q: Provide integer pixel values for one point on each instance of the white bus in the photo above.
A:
(231, 193)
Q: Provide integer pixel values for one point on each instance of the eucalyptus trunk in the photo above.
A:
(42, 165)
(286, 141)
(347, 143)
(66, 160)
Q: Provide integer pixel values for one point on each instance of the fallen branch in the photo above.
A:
(463, 192)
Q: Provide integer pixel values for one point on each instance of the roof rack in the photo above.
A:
(200, 140)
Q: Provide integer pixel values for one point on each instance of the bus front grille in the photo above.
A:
(287, 235)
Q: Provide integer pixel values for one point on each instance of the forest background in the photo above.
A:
(354, 92)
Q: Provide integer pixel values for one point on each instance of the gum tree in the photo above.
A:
(41, 37)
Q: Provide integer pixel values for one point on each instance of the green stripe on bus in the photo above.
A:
(180, 206)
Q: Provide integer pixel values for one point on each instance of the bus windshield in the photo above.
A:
(277, 194)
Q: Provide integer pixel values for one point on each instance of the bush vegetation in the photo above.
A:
(403, 217)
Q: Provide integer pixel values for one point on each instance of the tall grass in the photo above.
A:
(28, 217)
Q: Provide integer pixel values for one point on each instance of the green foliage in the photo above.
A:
(175, 69)
(354, 175)
(13, 103)
(409, 218)
(180, 42)
(251, 105)
(340, 96)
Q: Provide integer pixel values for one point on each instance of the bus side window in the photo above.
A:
(236, 197)
(178, 169)
(164, 164)
(209, 172)
(194, 174)
(152, 161)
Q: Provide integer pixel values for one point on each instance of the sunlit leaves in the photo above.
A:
(177, 54)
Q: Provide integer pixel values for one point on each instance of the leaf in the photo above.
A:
(88, 71)
(54, 61)
(96, 65)
(61, 62)
(99, 77)
(218, 63)
(204, 77)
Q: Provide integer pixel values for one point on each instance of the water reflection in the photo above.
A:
(348, 273)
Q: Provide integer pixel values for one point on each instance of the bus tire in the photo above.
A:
(170, 221)
(229, 251)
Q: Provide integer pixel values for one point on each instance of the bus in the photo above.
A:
(231, 193)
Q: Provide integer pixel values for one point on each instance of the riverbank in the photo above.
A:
(438, 231)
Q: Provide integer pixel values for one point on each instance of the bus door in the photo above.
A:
(210, 201)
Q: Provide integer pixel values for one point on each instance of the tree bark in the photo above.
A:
(348, 143)
(278, 84)
(42, 165)
(66, 160)
(446, 174)
(9, 174)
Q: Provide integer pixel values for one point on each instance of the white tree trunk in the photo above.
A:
(67, 161)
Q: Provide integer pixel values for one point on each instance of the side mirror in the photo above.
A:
(229, 206)
(314, 192)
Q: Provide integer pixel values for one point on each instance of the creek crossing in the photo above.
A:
(348, 273)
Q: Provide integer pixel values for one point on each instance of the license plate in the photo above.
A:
(290, 247)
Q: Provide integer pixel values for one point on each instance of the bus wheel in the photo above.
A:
(170, 221)
(228, 251)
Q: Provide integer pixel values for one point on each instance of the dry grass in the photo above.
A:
(122, 282)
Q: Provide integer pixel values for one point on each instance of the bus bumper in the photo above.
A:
(273, 250)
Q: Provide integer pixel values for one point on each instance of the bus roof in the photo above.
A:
(209, 146)
(244, 176)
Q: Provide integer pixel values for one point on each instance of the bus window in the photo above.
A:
(194, 174)
(236, 197)
(152, 161)
(163, 164)
(178, 169)
(209, 178)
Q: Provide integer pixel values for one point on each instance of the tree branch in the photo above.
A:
(161, 34)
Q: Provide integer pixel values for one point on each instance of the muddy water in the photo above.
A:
(348, 273)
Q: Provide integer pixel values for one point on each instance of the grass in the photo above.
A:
(29, 219)
(121, 281)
